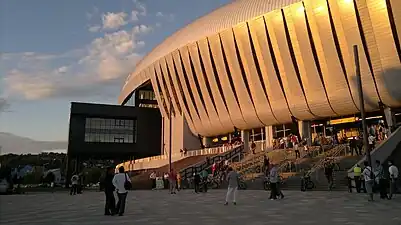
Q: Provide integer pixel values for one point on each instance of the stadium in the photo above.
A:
(253, 65)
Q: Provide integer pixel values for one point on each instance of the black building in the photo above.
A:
(114, 132)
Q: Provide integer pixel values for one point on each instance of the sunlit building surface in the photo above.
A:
(254, 64)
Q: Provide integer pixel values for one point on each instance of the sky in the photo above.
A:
(53, 52)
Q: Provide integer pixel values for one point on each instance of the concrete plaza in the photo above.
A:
(158, 207)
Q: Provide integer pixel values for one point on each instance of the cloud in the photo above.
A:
(141, 8)
(168, 17)
(93, 70)
(141, 29)
(94, 28)
(134, 15)
(112, 21)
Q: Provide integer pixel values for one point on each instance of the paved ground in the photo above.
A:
(158, 207)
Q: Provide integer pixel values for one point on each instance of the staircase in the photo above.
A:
(339, 157)
(289, 166)
(187, 173)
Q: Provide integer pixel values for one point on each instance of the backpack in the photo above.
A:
(127, 183)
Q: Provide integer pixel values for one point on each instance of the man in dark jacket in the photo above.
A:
(110, 206)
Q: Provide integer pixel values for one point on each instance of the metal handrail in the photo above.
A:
(336, 151)
(188, 172)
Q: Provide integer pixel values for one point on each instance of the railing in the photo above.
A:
(311, 153)
(383, 151)
(333, 153)
(162, 160)
(189, 171)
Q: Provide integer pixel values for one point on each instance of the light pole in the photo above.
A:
(170, 136)
(362, 105)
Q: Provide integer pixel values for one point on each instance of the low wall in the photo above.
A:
(162, 160)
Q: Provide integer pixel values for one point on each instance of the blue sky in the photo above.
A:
(54, 52)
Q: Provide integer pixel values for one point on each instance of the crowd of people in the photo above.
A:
(376, 179)
(367, 179)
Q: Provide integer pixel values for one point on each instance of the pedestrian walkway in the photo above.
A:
(158, 207)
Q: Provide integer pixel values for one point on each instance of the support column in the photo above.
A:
(389, 117)
(245, 139)
(269, 136)
(305, 131)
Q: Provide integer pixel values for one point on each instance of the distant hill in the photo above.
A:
(10, 143)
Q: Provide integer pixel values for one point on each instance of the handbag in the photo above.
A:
(127, 183)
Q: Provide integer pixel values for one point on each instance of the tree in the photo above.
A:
(35, 177)
(92, 175)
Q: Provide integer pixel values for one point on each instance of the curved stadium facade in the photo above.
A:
(257, 63)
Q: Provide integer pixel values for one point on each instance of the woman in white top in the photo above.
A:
(119, 181)
(369, 181)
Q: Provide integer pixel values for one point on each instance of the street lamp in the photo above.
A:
(362, 106)
(170, 136)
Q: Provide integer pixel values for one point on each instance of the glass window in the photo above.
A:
(110, 130)
(102, 138)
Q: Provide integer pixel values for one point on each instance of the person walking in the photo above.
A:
(110, 205)
(357, 177)
(172, 181)
(273, 177)
(372, 140)
(328, 171)
(121, 182)
(266, 164)
(369, 181)
(197, 181)
(393, 171)
(233, 181)
(152, 177)
(380, 180)
(179, 181)
(74, 184)
(204, 175)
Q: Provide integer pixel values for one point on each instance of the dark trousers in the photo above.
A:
(357, 180)
(383, 188)
(330, 181)
(153, 183)
(393, 187)
(196, 186)
(297, 154)
(110, 205)
(356, 150)
(73, 190)
(371, 147)
(122, 197)
(205, 185)
(273, 192)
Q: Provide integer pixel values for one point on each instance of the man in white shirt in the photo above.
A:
(372, 141)
(393, 171)
(119, 183)
(369, 180)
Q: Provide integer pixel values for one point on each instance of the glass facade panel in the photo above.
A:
(110, 130)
